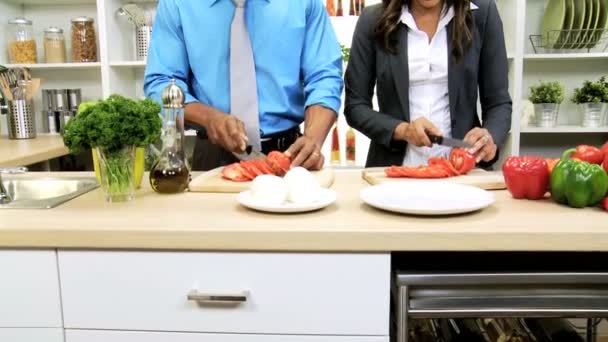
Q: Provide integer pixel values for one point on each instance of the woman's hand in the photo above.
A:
(484, 147)
(415, 132)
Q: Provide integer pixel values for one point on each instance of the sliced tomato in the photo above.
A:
(234, 173)
(392, 172)
(246, 172)
(462, 160)
(435, 171)
(444, 163)
(264, 167)
(252, 167)
(279, 162)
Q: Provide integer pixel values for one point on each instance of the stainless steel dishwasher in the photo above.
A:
(437, 295)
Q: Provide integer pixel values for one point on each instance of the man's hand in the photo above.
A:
(484, 147)
(306, 152)
(227, 131)
(415, 133)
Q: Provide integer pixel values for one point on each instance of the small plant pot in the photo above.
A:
(545, 114)
(605, 115)
(593, 114)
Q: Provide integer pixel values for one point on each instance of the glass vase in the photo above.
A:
(117, 173)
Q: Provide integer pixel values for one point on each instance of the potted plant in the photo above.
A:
(546, 97)
(590, 98)
(114, 128)
(605, 99)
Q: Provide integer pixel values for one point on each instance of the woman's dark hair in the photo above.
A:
(385, 31)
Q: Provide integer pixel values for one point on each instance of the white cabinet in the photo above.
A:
(299, 294)
(31, 334)
(123, 336)
(29, 290)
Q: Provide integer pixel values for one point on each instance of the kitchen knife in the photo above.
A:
(250, 154)
(435, 139)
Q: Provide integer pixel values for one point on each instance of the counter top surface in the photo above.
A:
(202, 221)
(29, 151)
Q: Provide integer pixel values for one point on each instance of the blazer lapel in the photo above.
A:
(454, 77)
(400, 69)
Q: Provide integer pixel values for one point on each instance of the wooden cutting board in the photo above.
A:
(488, 180)
(212, 181)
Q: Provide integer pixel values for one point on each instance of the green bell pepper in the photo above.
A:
(578, 183)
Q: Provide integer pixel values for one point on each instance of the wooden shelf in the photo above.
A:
(129, 64)
(565, 129)
(56, 66)
(565, 56)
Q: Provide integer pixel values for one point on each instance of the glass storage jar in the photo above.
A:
(21, 42)
(84, 42)
(54, 45)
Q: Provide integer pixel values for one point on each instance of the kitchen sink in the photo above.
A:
(44, 193)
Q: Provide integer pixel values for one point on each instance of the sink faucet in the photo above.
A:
(5, 198)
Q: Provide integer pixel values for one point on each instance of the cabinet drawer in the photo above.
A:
(132, 336)
(323, 294)
(31, 334)
(29, 290)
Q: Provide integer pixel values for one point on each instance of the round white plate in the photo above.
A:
(326, 197)
(427, 198)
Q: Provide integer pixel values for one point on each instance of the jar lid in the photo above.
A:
(83, 20)
(20, 21)
(173, 96)
(53, 29)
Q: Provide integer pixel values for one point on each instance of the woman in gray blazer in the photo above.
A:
(428, 60)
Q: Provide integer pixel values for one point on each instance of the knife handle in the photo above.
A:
(435, 139)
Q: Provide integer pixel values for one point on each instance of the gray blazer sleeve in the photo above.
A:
(496, 104)
(360, 79)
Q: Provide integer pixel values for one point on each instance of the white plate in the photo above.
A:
(440, 198)
(326, 197)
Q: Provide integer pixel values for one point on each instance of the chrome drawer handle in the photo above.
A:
(208, 298)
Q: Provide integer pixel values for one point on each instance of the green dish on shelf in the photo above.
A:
(579, 21)
(594, 22)
(553, 20)
(584, 37)
(601, 23)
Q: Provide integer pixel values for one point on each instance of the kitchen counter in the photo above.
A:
(29, 151)
(197, 221)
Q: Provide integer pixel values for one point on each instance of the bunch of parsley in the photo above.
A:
(113, 124)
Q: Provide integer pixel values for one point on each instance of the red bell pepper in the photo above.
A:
(605, 148)
(605, 203)
(605, 164)
(526, 177)
(589, 154)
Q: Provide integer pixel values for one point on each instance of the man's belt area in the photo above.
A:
(274, 142)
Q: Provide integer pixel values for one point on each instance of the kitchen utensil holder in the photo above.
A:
(21, 120)
(570, 41)
(142, 41)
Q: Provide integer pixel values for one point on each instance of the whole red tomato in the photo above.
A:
(605, 148)
(605, 164)
(605, 203)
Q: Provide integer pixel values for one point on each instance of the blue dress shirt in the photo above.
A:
(297, 56)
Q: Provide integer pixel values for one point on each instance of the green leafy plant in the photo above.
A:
(591, 92)
(547, 92)
(113, 124)
(114, 127)
(345, 53)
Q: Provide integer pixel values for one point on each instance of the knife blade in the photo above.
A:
(439, 140)
(250, 154)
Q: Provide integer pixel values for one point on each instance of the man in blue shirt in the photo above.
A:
(298, 74)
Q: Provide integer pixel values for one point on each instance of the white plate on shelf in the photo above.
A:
(427, 198)
(326, 198)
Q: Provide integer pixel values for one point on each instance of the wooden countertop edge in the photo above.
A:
(317, 241)
(33, 158)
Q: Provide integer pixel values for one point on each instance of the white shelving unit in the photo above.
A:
(118, 71)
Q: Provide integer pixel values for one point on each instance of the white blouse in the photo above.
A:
(428, 91)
